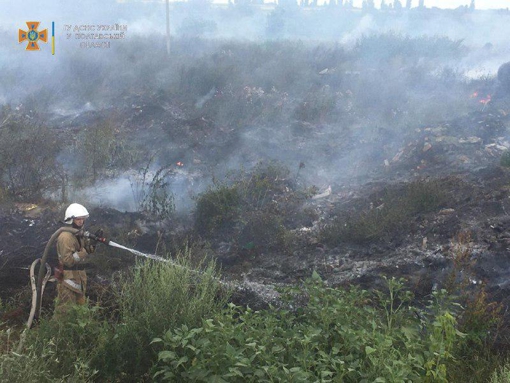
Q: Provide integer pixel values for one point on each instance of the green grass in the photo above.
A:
(95, 343)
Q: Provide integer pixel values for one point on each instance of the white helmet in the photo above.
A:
(75, 210)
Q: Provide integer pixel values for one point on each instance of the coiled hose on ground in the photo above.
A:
(42, 279)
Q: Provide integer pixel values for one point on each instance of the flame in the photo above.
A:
(179, 163)
(474, 95)
(486, 100)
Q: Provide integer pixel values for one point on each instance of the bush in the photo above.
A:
(254, 208)
(101, 149)
(340, 335)
(216, 209)
(502, 375)
(59, 350)
(261, 231)
(151, 191)
(89, 344)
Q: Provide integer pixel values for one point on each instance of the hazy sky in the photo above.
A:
(480, 4)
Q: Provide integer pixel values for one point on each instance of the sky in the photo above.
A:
(480, 4)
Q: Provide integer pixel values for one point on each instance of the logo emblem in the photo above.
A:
(32, 36)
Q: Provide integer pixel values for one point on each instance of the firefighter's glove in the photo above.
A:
(93, 238)
(88, 246)
(99, 233)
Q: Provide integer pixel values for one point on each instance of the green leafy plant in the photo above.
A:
(338, 335)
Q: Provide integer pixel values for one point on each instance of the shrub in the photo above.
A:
(216, 209)
(261, 231)
(151, 191)
(254, 208)
(82, 346)
(502, 375)
(101, 148)
(58, 350)
(339, 335)
(481, 320)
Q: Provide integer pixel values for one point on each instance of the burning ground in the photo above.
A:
(275, 160)
(400, 215)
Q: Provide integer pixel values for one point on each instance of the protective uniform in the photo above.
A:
(72, 255)
(72, 250)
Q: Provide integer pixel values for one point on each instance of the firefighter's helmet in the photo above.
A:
(75, 210)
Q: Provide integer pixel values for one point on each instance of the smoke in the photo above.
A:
(365, 26)
(135, 77)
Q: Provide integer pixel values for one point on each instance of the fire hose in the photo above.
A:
(42, 278)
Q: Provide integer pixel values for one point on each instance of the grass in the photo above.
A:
(99, 343)
(171, 324)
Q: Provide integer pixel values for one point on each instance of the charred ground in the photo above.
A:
(281, 159)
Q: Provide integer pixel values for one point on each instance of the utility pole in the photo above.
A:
(168, 28)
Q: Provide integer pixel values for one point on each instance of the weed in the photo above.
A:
(153, 298)
(151, 191)
(481, 320)
(28, 155)
(502, 375)
(58, 349)
(339, 335)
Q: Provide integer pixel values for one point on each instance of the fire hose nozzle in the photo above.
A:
(95, 237)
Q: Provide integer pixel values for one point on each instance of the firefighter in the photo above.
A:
(73, 251)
